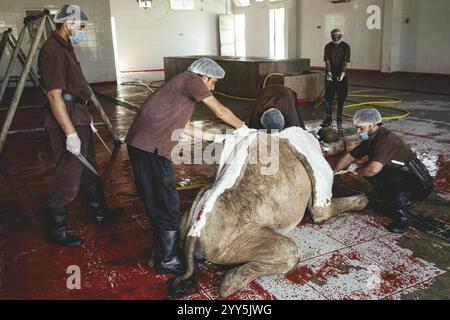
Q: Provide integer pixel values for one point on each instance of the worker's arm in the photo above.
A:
(370, 170)
(222, 112)
(197, 133)
(59, 110)
(344, 67)
(328, 65)
(344, 162)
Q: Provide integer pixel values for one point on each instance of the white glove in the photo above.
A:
(73, 144)
(219, 138)
(329, 76)
(352, 168)
(242, 131)
(341, 77)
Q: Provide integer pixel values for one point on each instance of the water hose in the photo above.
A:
(375, 103)
(138, 83)
(383, 104)
(275, 74)
(380, 104)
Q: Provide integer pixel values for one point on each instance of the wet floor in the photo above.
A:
(339, 259)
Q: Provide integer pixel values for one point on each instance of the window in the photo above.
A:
(145, 4)
(232, 35)
(277, 33)
(239, 25)
(242, 3)
(182, 4)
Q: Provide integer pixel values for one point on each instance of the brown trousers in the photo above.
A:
(70, 173)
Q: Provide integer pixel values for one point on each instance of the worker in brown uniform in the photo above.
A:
(150, 145)
(276, 109)
(392, 166)
(67, 122)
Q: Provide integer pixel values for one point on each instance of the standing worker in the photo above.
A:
(67, 122)
(392, 166)
(337, 56)
(150, 146)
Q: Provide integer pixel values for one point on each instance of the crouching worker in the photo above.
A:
(276, 109)
(67, 121)
(391, 164)
(150, 146)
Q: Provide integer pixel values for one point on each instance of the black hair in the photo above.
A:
(203, 75)
(59, 25)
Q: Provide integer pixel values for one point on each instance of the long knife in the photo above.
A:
(87, 164)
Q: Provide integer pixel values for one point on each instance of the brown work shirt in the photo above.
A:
(337, 54)
(167, 110)
(384, 147)
(60, 69)
(279, 97)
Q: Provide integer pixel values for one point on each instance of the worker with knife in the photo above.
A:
(68, 123)
(392, 166)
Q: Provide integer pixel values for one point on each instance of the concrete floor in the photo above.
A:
(341, 259)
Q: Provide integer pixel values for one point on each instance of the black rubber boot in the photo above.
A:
(57, 233)
(401, 214)
(328, 120)
(103, 215)
(166, 257)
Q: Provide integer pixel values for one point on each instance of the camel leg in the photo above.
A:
(267, 251)
(339, 206)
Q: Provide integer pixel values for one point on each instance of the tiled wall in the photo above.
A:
(144, 37)
(96, 53)
(422, 45)
(319, 17)
(425, 40)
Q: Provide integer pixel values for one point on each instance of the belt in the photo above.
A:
(69, 97)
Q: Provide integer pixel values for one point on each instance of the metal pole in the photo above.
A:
(11, 64)
(4, 42)
(20, 86)
(51, 23)
(104, 117)
(23, 59)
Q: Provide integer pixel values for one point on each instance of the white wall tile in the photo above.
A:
(99, 32)
(146, 36)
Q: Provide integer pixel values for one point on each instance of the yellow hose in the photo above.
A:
(275, 74)
(380, 104)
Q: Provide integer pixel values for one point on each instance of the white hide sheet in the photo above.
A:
(234, 156)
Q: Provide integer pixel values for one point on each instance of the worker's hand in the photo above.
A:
(352, 168)
(73, 144)
(341, 77)
(242, 131)
(329, 76)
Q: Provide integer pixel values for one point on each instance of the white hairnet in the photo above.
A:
(272, 119)
(337, 31)
(71, 13)
(365, 117)
(207, 67)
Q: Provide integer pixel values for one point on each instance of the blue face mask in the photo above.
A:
(79, 36)
(337, 42)
(364, 136)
